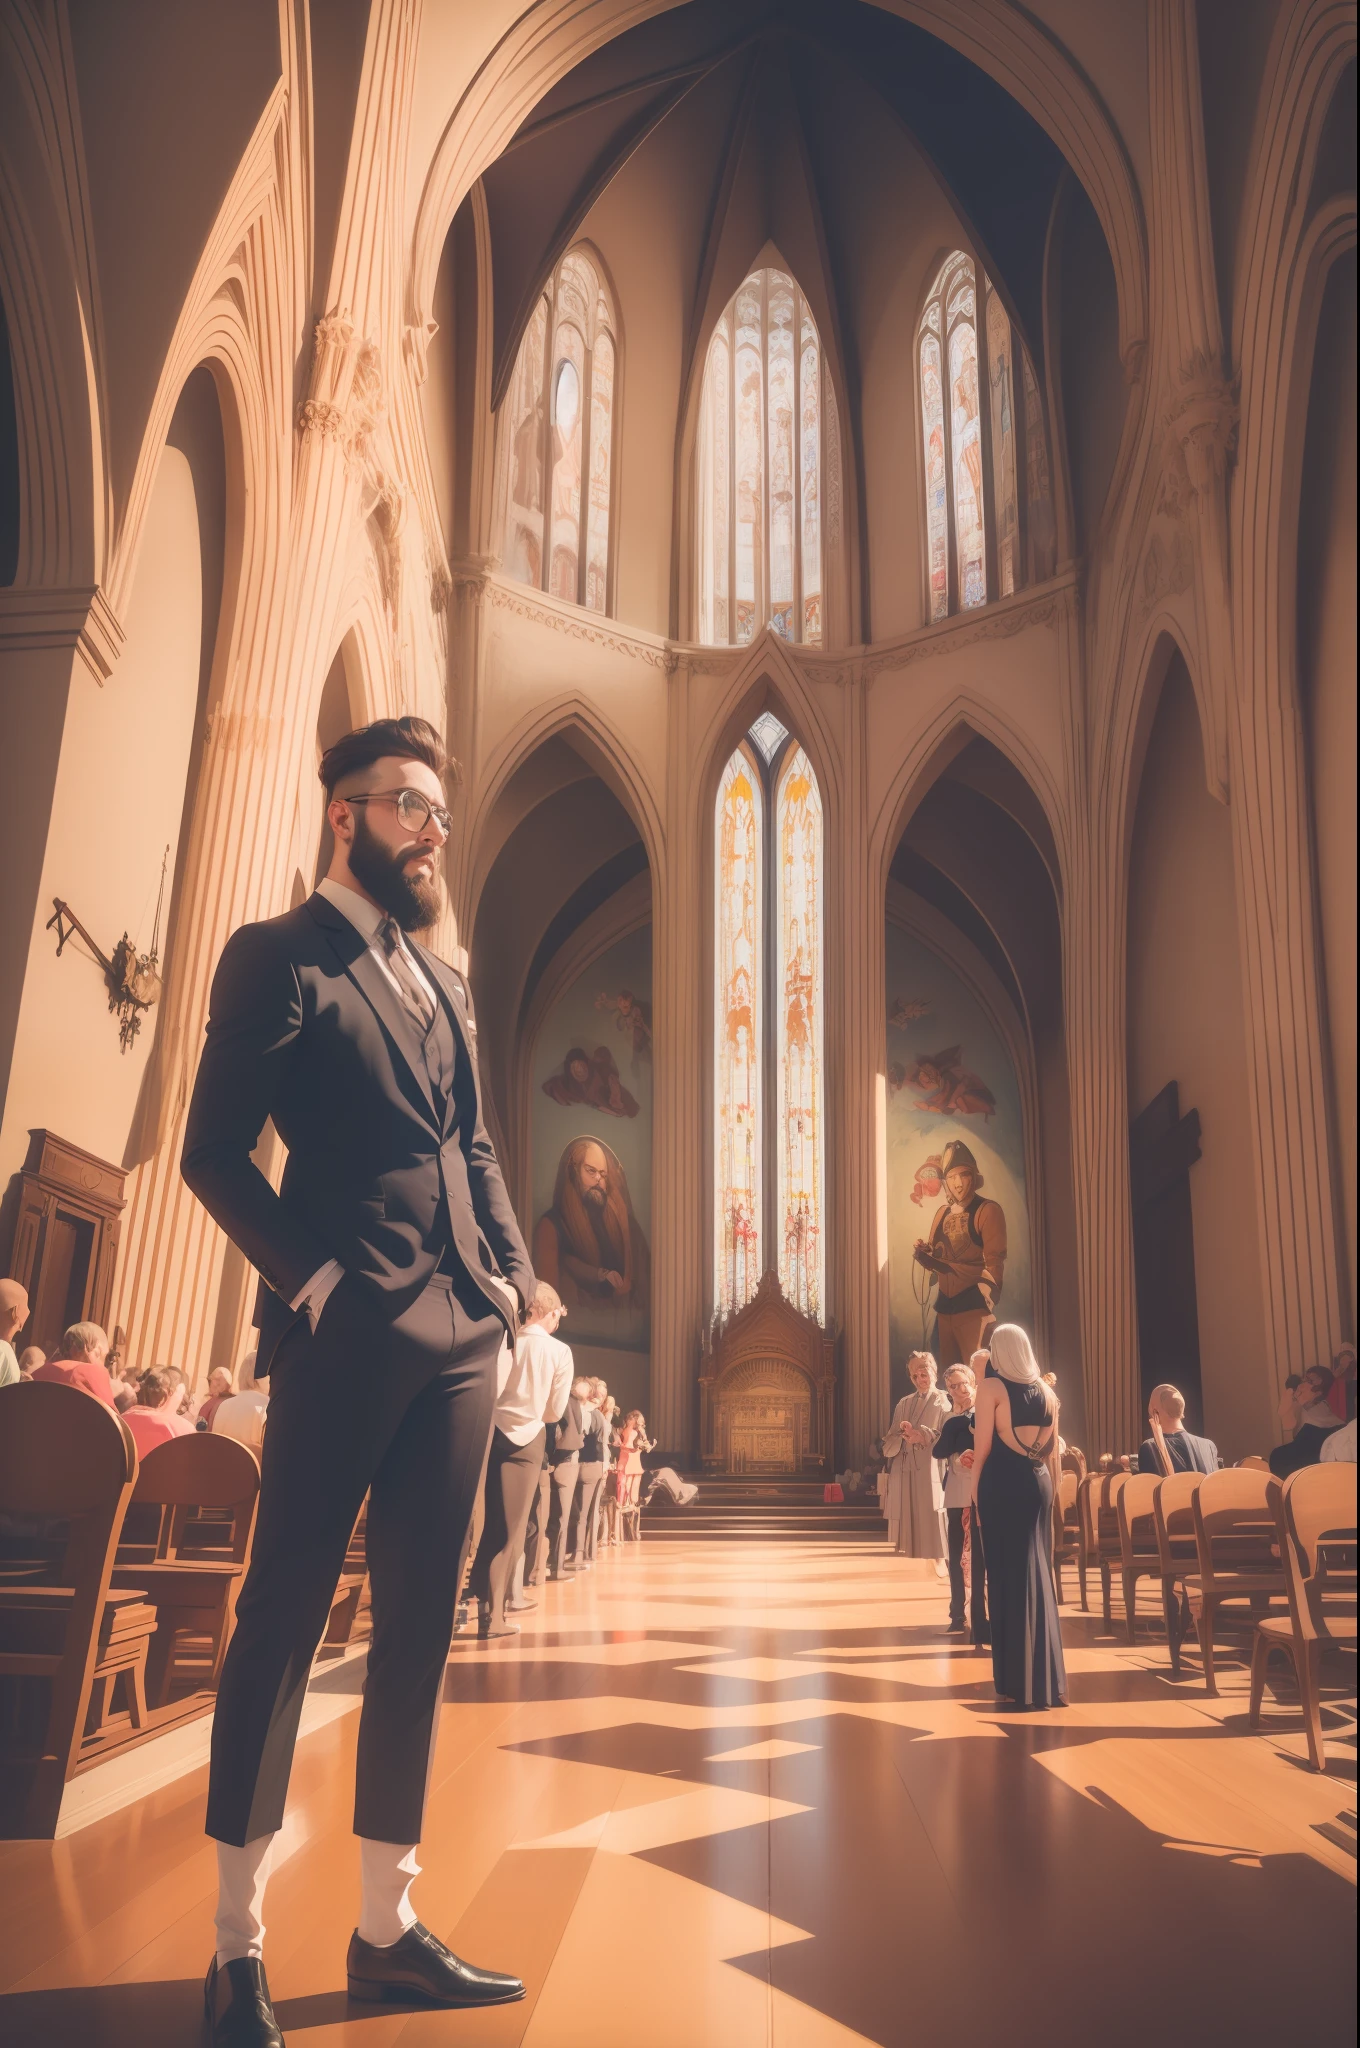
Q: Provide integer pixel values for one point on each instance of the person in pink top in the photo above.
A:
(149, 1418)
(80, 1362)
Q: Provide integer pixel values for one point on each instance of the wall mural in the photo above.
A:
(958, 1220)
(591, 1149)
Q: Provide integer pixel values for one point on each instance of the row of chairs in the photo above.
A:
(1218, 1541)
(118, 1587)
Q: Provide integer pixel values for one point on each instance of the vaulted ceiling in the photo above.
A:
(765, 107)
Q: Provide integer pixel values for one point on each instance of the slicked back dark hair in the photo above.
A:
(409, 739)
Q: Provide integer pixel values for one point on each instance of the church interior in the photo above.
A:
(866, 492)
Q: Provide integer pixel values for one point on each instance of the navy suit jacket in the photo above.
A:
(305, 1029)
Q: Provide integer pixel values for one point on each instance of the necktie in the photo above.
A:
(414, 998)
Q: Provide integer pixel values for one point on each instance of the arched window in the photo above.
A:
(559, 439)
(988, 498)
(769, 1172)
(759, 468)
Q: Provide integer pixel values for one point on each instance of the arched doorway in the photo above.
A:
(976, 1069)
(561, 969)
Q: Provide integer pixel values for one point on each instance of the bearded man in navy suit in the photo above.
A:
(390, 1262)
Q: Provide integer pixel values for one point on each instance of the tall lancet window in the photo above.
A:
(559, 439)
(759, 468)
(769, 1061)
(988, 501)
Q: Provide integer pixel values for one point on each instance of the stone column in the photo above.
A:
(855, 1097)
(680, 1144)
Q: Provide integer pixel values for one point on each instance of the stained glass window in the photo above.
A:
(965, 424)
(759, 466)
(798, 1034)
(738, 1135)
(937, 499)
(558, 439)
(988, 503)
(769, 1130)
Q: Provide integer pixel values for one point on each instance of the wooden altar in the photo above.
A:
(767, 1391)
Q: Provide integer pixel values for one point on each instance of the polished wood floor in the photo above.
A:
(747, 1796)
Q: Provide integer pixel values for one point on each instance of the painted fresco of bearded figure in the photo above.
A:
(589, 1245)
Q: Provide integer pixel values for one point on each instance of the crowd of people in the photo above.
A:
(563, 1474)
(970, 1471)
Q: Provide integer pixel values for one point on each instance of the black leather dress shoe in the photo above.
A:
(236, 2000)
(419, 1969)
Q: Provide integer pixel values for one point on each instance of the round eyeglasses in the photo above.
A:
(414, 811)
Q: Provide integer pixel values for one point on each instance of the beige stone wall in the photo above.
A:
(298, 256)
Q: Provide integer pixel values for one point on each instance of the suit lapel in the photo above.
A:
(352, 950)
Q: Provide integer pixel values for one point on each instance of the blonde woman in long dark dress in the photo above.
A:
(915, 1494)
(1016, 1465)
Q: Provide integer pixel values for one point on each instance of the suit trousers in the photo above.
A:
(581, 1540)
(400, 1411)
(564, 1477)
(511, 1481)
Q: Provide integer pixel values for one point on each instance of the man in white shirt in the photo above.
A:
(594, 1460)
(535, 1390)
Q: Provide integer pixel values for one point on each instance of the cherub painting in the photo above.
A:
(631, 1016)
(590, 1079)
(904, 1012)
(942, 1084)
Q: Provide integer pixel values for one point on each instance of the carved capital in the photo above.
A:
(1202, 418)
(82, 620)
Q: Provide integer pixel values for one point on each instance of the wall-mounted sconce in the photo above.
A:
(133, 980)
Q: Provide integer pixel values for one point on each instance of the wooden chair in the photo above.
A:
(1099, 1492)
(67, 1465)
(1086, 1527)
(1178, 1554)
(1139, 1555)
(205, 1489)
(1236, 1514)
(348, 1607)
(1252, 1464)
(1068, 1547)
(1316, 1510)
(1074, 1461)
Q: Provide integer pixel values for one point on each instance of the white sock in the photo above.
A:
(242, 1875)
(388, 1869)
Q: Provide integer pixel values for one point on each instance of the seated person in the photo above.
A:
(30, 1358)
(1186, 1453)
(80, 1362)
(220, 1388)
(1306, 1408)
(1339, 1448)
(242, 1414)
(149, 1416)
(13, 1316)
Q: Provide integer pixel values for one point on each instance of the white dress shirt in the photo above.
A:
(366, 918)
(242, 1416)
(537, 1385)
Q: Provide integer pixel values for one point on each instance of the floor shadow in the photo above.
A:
(166, 2014)
(969, 1840)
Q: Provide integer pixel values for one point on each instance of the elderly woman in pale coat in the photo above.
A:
(915, 1500)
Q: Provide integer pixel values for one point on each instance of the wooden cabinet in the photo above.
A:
(66, 1230)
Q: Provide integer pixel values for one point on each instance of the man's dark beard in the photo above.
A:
(412, 902)
(599, 1196)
